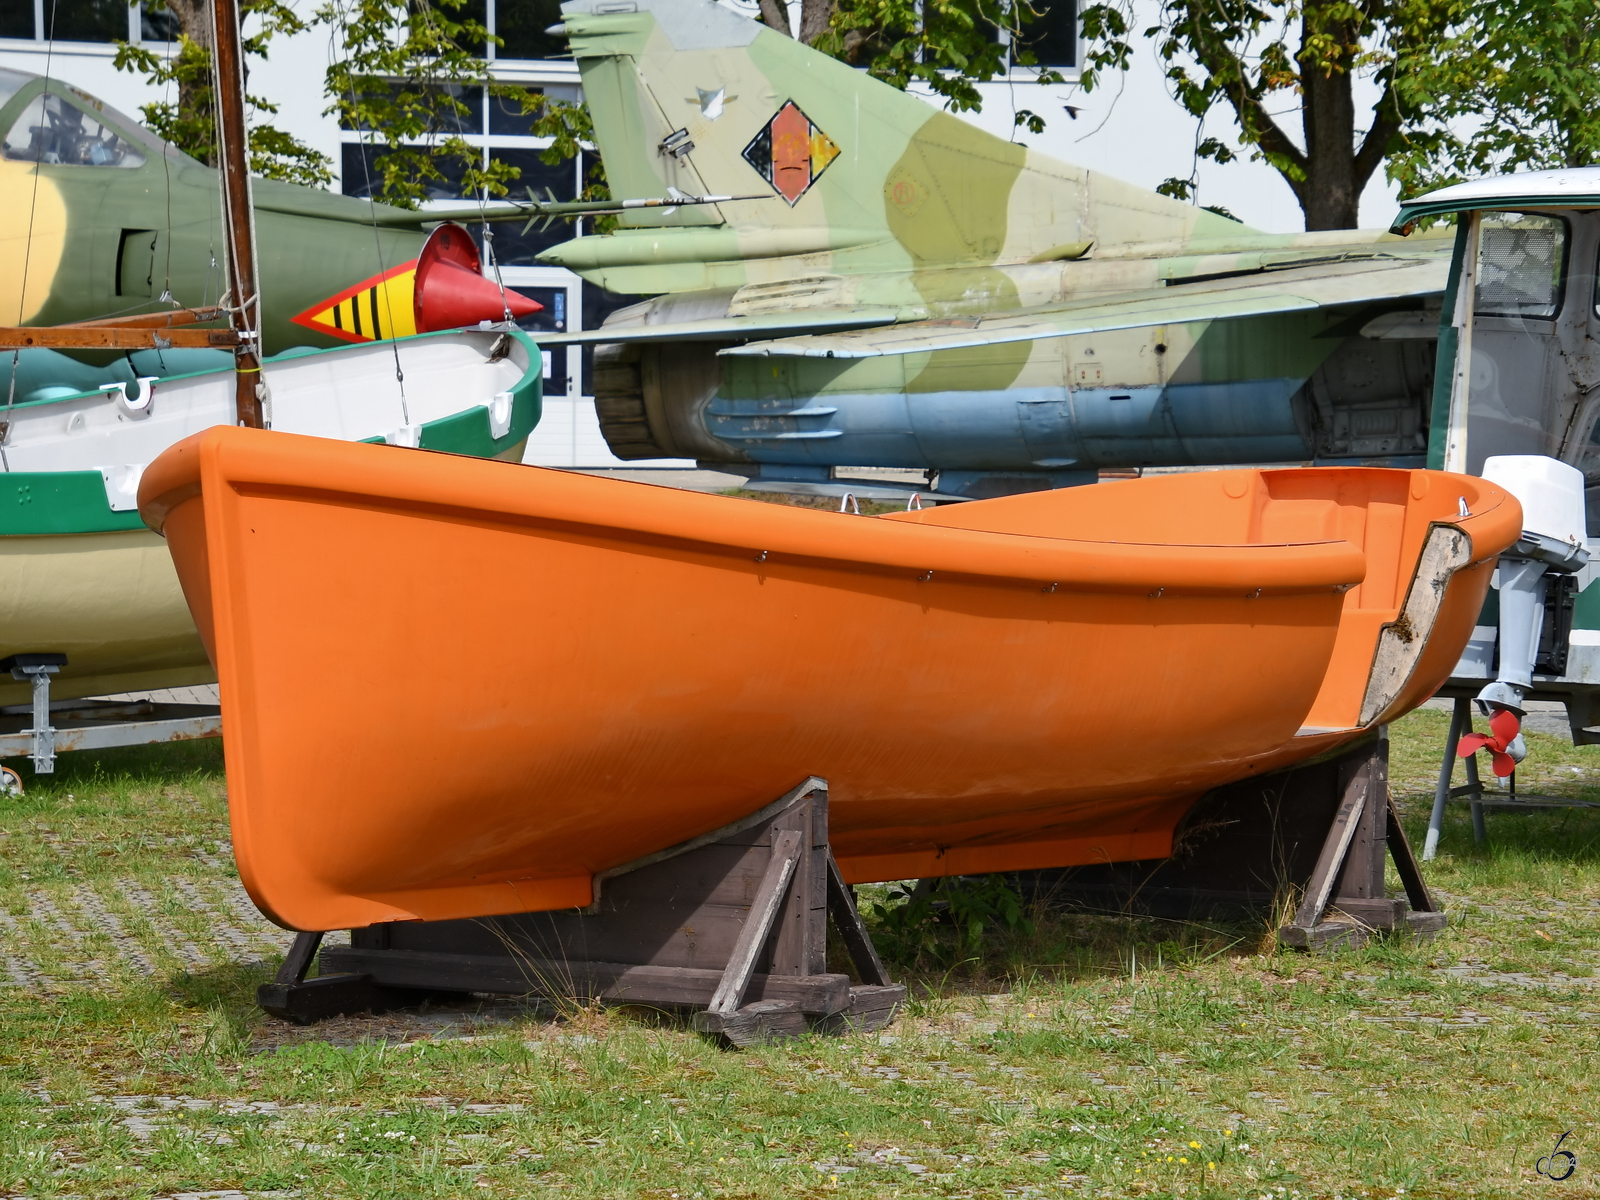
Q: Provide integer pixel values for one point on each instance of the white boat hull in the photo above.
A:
(79, 573)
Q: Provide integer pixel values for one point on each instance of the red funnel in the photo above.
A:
(450, 289)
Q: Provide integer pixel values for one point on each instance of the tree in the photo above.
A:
(404, 68)
(948, 46)
(1251, 54)
(405, 65)
(1518, 82)
(190, 122)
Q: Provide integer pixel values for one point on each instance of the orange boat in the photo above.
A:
(457, 688)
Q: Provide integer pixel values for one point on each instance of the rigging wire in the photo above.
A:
(248, 307)
(488, 235)
(377, 237)
(166, 169)
(27, 246)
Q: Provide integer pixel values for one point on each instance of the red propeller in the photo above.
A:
(1506, 726)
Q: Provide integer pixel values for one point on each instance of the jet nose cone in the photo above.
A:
(451, 290)
(450, 296)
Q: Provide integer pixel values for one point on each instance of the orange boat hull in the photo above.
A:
(457, 688)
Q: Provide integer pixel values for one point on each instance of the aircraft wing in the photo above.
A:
(1176, 304)
(726, 329)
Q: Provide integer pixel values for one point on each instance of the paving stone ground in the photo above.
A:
(72, 932)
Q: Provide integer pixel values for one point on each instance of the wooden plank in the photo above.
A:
(626, 983)
(156, 320)
(1361, 877)
(814, 890)
(1320, 887)
(716, 874)
(1405, 864)
(1325, 935)
(101, 337)
(749, 830)
(847, 920)
(871, 1008)
(298, 961)
(1375, 912)
(800, 944)
(320, 998)
(755, 1024)
(664, 933)
(774, 890)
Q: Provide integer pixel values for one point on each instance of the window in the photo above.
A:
(521, 25)
(509, 140)
(1052, 35)
(54, 130)
(363, 178)
(16, 18)
(87, 21)
(467, 120)
(157, 24)
(1521, 258)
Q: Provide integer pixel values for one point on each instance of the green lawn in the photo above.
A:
(1091, 1056)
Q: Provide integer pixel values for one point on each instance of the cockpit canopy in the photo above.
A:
(61, 125)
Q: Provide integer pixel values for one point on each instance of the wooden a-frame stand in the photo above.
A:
(732, 924)
(1344, 901)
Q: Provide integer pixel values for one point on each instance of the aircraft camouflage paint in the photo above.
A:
(913, 292)
(101, 215)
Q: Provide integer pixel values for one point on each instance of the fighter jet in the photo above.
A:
(909, 291)
(102, 217)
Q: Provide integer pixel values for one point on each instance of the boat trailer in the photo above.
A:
(45, 728)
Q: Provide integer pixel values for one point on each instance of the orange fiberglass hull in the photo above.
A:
(458, 688)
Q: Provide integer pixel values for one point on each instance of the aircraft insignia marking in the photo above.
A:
(376, 308)
(905, 192)
(791, 153)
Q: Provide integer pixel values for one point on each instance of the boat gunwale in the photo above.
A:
(765, 536)
(297, 355)
(96, 516)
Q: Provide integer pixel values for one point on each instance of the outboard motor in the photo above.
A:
(1554, 542)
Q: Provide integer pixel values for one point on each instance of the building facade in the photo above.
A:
(76, 41)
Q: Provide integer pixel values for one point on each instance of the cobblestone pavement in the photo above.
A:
(75, 931)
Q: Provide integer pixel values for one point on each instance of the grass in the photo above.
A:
(1091, 1056)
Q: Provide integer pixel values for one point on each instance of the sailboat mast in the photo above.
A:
(238, 214)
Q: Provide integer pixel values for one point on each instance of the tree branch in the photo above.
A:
(1375, 146)
(815, 17)
(775, 15)
(1257, 124)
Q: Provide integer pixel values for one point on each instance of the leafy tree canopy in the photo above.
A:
(1265, 60)
(189, 122)
(1518, 84)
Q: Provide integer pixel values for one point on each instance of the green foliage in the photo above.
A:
(945, 919)
(402, 68)
(946, 45)
(570, 130)
(1524, 75)
(1257, 59)
(1050, 1067)
(190, 124)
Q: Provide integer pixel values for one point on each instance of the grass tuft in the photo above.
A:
(1050, 1054)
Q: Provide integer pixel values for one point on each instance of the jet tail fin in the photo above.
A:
(690, 95)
